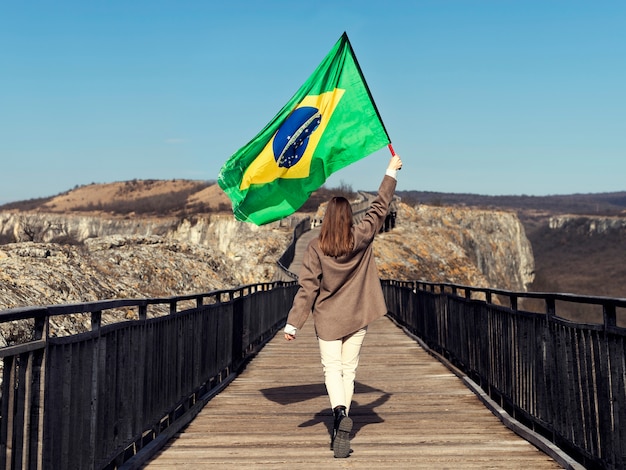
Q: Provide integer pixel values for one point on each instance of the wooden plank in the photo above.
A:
(409, 411)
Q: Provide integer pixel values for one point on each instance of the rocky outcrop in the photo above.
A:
(589, 226)
(50, 227)
(439, 244)
(236, 253)
(87, 258)
(250, 249)
(466, 246)
(34, 274)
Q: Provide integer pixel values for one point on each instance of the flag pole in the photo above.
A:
(393, 152)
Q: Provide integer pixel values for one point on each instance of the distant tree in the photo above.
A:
(31, 228)
(344, 189)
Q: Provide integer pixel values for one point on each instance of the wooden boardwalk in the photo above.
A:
(301, 246)
(409, 411)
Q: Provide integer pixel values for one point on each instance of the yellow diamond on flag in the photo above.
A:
(269, 166)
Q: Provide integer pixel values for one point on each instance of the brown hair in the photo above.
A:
(336, 234)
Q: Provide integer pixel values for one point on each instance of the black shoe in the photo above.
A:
(338, 413)
(340, 441)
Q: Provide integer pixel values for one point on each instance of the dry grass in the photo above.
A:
(151, 197)
(154, 197)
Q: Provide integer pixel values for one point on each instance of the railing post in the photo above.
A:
(237, 343)
(41, 328)
(143, 312)
(610, 318)
(96, 320)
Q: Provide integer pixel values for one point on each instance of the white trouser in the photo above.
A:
(340, 359)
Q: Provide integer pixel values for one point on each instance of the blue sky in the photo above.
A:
(485, 97)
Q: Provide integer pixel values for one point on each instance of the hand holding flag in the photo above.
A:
(395, 163)
(328, 124)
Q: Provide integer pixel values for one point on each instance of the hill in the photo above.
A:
(149, 197)
(605, 204)
(146, 197)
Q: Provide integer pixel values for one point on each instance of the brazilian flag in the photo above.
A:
(328, 124)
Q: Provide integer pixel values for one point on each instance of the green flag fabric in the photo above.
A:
(328, 124)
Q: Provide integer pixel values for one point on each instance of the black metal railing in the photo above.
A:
(111, 396)
(565, 380)
(108, 397)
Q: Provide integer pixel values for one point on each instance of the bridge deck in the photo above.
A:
(410, 411)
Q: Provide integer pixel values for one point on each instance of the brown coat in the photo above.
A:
(344, 293)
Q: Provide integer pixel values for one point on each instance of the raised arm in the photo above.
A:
(373, 219)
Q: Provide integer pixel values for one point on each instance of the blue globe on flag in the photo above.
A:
(292, 137)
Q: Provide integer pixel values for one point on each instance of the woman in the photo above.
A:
(339, 284)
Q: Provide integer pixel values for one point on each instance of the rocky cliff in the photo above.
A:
(105, 257)
(466, 246)
(586, 225)
(59, 258)
(167, 256)
(247, 252)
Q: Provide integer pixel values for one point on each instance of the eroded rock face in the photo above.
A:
(588, 226)
(474, 247)
(145, 258)
(208, 256)
(63, 228)
(100, 258)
